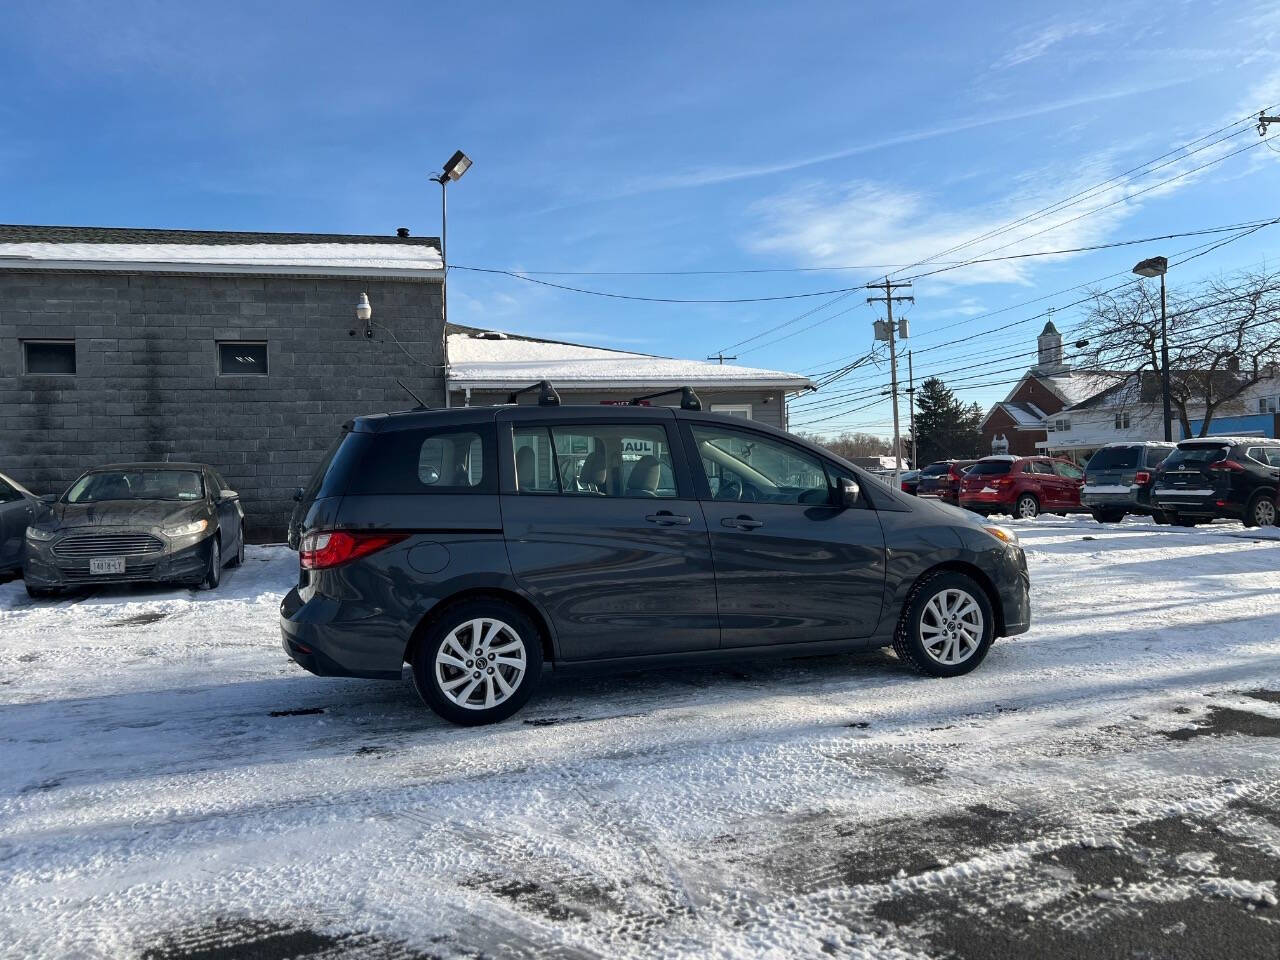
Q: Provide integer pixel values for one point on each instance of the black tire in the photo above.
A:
(1108, 516)
(908, 641)
(238, 559)
(1161, 517)
(1180, 521)
(213, 572)
(1261, 511)
(1027, 507)
(517, 627)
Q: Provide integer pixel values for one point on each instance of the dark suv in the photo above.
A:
(478, 543)
(1211, 477)
(1119, 477)
(942, 480)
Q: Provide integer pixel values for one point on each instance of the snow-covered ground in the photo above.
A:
(1105, 785)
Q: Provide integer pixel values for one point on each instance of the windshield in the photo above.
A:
(1195, 457)
(179, 485)
(989, 468)
(1115, 458)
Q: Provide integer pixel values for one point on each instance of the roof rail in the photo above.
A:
(688, 399)
(547, 396)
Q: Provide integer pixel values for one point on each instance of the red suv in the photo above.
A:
(942, 480)
(1022, 486)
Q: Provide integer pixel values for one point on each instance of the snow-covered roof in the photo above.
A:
(206, 251)
(486, 359)
(1074, 386)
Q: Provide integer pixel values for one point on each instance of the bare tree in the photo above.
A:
(850, 445)
(1223, 339)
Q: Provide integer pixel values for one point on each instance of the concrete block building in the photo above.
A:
(241, 350)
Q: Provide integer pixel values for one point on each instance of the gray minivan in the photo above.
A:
(478, 544)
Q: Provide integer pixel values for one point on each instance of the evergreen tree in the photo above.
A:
(945, 427)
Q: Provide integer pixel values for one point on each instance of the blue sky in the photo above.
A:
(661, 137)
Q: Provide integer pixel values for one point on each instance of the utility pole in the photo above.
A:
(911, 396)
(885, 331)
(721, 357)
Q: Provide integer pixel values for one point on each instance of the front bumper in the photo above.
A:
(323, 638)
(1015, 596)
(184, 561)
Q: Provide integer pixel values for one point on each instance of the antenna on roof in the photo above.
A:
(547, 396)
(421, 405)
(688, 399)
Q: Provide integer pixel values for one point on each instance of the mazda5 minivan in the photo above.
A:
(479, 544)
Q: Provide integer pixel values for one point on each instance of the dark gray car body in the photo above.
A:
(1110, 477)
(18, 508)
(134, 530)
(629, 581)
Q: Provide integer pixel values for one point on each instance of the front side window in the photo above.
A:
(180, 485)
(750, 467)
(1039, 467)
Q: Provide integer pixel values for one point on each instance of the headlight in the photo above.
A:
(1001, 533)
(187, 529)
(35, 533)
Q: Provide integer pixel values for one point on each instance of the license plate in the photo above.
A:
(106, 565)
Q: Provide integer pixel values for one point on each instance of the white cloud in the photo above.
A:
(1044, 41)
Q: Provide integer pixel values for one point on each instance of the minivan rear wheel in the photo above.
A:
(946, 627)
(478, 663)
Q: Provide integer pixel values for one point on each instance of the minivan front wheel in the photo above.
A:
(946, 627)
(478, 663)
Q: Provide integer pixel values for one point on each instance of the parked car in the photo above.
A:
(136, 522)
(457, 541)
(909, 480)
(942, 480)
(1119, 477)
(18, 507)
(1210, 477)
(1023, 487)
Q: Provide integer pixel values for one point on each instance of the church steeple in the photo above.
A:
(1049, 347)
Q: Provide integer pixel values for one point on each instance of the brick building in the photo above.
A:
(1023, 418)
(241, 350)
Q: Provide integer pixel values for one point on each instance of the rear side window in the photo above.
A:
(1157, 455)
(1040, 467)
(458, 460)
(1194, 458)
(1115, 458)
(599, 460)
(1268, 455)
(935, 470)
(990, 468)
(1067, 471)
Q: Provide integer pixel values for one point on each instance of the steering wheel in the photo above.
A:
(750, 493)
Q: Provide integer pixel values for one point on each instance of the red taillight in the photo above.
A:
(1142, 478)
(1005, 481)
(1230, 465)
(319, 551)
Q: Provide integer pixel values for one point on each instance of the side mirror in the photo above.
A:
(850, 492)
(297, 495)
(225, 495)
(49, 499)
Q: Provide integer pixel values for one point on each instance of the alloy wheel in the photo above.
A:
(1027, 508)
(480, 663)
(951, 626)
(1264, 513)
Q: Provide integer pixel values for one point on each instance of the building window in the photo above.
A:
(1268, 404)
(49, 357)
(733, 409)
(1122, 421)
(242, 358)
(1062, 424)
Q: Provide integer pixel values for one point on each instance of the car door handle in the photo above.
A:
(742, 523)
(668, 519)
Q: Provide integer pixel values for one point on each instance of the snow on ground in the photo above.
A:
(1105, 785)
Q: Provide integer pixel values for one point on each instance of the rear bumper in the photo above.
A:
(1198, 505)
(986, 502)
(323, 638)
(1131, 502)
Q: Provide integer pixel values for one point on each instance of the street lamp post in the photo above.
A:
(454, 168)
(1158, 267)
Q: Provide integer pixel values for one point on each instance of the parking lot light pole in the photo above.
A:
(1158, 267)
(454, 168)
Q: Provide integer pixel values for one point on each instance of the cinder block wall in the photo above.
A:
(147, 385)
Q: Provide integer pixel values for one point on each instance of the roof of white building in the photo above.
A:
(217, 251)
(487, 359)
